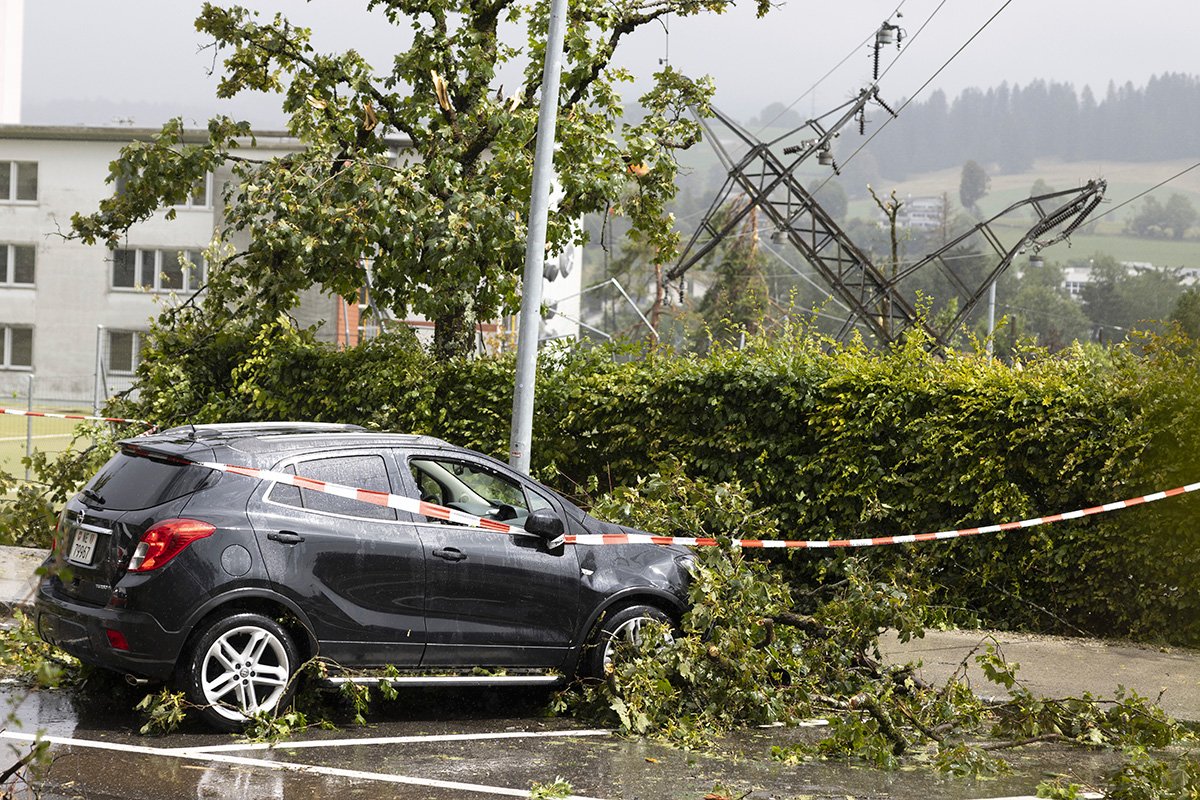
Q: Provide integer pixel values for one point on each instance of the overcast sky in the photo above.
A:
(84, 59)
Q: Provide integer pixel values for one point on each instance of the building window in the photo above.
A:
(158, 270)
(18, 181)
(16, 264)
(18, 347)
(124, 352)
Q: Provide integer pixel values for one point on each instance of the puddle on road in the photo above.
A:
(605, 767)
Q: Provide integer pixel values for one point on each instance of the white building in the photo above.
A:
(1076, 276)
(73, 315)
(61, 300)
(923, 213)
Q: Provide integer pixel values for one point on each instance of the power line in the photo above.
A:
(911, 39)
(920, 89)
(1044, 313)
(822, 79)
(1158, 185)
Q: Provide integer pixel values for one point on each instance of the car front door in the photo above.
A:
(357, 570)
(491, 599)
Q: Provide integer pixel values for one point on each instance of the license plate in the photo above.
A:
(83, 546)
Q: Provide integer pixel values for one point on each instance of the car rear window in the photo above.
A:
(129, 481)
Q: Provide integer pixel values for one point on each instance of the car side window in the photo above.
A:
(366, 471)
(474, 489)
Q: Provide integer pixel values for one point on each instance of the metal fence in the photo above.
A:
(61, 394)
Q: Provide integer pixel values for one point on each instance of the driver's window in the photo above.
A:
(468, 488)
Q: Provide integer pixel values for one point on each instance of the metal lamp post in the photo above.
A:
(521, 436)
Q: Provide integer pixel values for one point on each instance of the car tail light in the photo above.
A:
(165, 541)
(116, 639)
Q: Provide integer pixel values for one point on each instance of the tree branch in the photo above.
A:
(1045, 737)
(382, 100)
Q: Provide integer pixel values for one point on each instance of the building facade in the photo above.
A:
(72, 316)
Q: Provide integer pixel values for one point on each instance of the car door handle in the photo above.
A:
(450, 554)
(285, 537)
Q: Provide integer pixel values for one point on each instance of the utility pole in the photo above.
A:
(521, 435)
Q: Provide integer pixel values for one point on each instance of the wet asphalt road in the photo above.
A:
(459, 744)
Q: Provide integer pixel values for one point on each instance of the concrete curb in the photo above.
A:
(17, 579)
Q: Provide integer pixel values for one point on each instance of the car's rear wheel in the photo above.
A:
(240, 665)
(621, 628)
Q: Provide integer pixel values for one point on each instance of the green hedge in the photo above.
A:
(834, 441)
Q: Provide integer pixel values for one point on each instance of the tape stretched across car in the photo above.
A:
(168, 571)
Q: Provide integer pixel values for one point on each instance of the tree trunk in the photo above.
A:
(659, 295)
(454, 334)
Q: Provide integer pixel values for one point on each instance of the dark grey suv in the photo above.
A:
(227, 583)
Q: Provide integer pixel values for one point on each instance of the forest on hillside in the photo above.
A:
(1010, 126)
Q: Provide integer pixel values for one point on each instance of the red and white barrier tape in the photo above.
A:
(462, 518)
(881, 540)
(16, 412)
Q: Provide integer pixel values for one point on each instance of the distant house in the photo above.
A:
(1076, 276)
(922, 213)
(74, 315)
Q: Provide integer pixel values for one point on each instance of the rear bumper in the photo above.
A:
(81, 630)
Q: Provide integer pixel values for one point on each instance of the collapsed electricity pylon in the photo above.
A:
(876, 298)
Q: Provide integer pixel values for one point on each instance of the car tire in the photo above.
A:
(240, 665)
(621, 625)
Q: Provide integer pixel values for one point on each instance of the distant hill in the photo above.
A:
(1011, 127)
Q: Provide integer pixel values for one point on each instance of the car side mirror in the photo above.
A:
(546, 524)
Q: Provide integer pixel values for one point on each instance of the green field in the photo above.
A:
(48, 435)
(1125, 181)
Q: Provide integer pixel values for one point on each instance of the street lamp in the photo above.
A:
(521, 434)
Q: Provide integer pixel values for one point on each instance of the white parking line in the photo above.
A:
(208, 755)
(445, 737)
(282, 766)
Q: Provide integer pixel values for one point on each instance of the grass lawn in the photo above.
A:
(1107, 236)
(48, 435)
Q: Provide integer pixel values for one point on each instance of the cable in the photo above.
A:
(911, 39)
(822, 79)
(807, 279)
(922, 88)
(1044, 313)
(1148, 191)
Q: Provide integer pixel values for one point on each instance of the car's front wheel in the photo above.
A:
(623, 627)
(238, 666)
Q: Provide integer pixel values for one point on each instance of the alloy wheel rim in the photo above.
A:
(628, 633)
(244, 671)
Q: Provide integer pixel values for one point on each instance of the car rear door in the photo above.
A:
(491, 599)
(356, 569)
